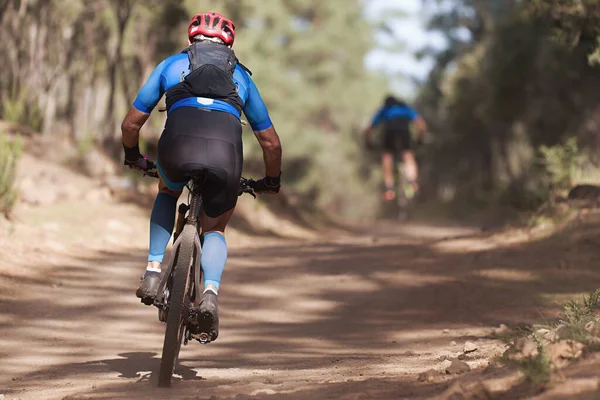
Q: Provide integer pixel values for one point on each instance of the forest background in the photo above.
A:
(511, 99)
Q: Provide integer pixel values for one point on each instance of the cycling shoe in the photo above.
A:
(148, 288)
(206, 326)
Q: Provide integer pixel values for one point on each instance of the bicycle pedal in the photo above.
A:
(203, 338)
(147, 301)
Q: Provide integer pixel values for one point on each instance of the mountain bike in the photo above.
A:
(180, 292)
(400, 207)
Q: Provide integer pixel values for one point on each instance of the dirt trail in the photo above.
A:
(353, 316)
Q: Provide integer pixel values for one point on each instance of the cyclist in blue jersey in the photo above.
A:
(206, 90)
(396, 117)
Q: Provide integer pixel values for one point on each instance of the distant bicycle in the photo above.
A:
(400, 207)
(404, 191)
(180, 292)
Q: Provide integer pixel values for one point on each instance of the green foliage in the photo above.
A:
(306, 56)
(577, 317)
(85, 144)
(537, 370)
(574, 22)
(574, 325)
(307, 62)
(509, 96)
(579, 323)
(21, 110)
(10, 152)
(577, 312)
(560, 163)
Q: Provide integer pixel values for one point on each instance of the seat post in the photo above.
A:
(194, 209)
(198, 181)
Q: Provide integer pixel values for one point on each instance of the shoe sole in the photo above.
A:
(144, 298)
(147, 300)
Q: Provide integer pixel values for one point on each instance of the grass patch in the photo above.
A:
(10, 152)
(537, 370)
(577, 317)
(579, 322)
(508, 336)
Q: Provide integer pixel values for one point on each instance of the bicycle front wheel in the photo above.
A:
(178, 304)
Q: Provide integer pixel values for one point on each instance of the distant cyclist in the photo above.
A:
(396, 117)
(206, 90)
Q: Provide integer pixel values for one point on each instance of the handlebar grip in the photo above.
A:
(246, 186)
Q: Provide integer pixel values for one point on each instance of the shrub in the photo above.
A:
(10, 152)
(22, 111)
(560, 163)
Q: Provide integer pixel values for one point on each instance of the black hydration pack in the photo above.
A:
(211, 75)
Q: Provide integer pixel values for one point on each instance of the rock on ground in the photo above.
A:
(469, 347)
(457, 367)
(562, 352)
(521, 349)
(445, 365)
(428, 376)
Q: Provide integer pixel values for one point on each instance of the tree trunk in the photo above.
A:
(123, 11)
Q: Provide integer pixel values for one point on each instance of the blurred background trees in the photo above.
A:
(75, 66)
(515, 78)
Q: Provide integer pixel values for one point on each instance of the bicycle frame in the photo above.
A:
(192, 218)
(176, 283)
(193, 211)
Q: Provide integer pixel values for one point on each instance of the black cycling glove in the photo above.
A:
(135, 159)
(268, 184)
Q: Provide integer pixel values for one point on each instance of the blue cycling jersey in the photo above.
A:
(393, 112)
(171, 71)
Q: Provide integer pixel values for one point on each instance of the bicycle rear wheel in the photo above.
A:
(178, 306)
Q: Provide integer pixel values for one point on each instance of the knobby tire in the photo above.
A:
(177, 307)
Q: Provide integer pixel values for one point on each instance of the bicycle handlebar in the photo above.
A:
(152, 172)
(246, 185)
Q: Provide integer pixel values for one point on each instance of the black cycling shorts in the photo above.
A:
(396, 135)
(200, 140)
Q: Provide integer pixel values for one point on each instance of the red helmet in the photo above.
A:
(212, 24)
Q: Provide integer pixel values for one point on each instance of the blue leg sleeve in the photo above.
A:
(162, 222)
(214, 255)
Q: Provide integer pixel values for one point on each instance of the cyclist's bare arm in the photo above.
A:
(368, 135)
(421, 125)
(133, 122)
(271, 146)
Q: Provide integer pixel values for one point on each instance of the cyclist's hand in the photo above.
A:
(141, 164)
(267, 184)
(421, 139)
(136, 160)
(369, 145)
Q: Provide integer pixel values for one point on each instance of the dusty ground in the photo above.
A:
(337, 316)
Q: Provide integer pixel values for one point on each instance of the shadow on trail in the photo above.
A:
(322, 307)
(133, 365)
